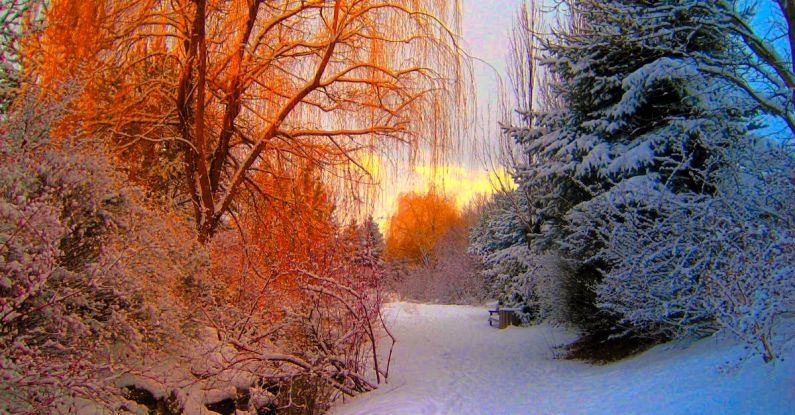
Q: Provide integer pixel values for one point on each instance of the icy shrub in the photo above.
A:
(302, 316)
(452, 278)
(632, 222)
(681, 265)
(88, 277)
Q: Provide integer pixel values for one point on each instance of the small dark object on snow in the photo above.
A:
(155, 406)
(505, 317)
(224, 407)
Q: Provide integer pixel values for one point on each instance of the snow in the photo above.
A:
(449, 361)
(213, 373)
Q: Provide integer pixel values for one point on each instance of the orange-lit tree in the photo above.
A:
(427, 249)
(274, 237)
(214, 87)
(421, 220)
(295, 273)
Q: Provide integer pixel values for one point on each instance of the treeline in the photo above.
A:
(656, 176)
(174, 178)
(427, 256)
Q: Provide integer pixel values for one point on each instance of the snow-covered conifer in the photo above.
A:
(642, 164)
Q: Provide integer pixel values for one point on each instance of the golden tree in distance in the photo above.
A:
(233, 87)
(420, 222)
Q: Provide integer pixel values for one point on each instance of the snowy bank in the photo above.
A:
(449, 361)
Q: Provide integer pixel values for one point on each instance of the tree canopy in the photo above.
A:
(201, 94)
(421, 220)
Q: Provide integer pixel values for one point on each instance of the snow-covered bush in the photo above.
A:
(90, 279)
(303, 313)
(681, 265)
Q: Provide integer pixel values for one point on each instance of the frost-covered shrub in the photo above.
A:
(751, 285)
(90, 277)
(692, 264)
(302, 313)
(639, 225)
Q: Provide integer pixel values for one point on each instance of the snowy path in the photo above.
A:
(449, 361)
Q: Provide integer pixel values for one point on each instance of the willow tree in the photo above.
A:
(228, 88)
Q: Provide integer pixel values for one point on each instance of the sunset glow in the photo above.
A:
(456, 181)
(397, 207)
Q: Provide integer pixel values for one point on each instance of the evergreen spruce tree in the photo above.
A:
(369, 244)
(499, 240)
(641, 124)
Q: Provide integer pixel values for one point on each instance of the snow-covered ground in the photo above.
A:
(449, 361)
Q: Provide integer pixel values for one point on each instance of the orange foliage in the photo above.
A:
(280, 245)
(214, 88)
(275, 238)
(419, 224)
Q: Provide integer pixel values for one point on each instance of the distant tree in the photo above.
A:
(420, 221)
(370, 246)
(426, 247)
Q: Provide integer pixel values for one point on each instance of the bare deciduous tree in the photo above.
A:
(244, 84)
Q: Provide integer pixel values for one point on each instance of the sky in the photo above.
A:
(485, 25)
